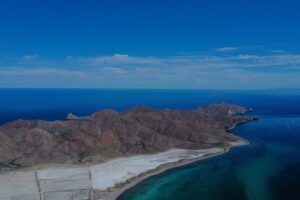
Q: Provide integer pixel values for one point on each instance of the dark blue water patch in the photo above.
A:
(52, 104)
(286, 184)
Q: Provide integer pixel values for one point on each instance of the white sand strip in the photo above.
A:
(64, 173)
(120, 170)
(64, 182)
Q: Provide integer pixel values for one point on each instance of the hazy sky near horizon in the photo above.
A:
(232, 44)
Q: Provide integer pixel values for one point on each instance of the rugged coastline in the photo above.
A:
(160, 139)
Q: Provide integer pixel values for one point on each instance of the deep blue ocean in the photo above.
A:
(267, 169)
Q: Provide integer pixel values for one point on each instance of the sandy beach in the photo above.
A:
(106, 180)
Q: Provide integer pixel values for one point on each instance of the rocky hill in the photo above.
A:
(107, 134)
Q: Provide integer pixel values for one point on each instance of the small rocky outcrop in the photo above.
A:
(71, 116)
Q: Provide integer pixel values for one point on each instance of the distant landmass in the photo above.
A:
(109, 134)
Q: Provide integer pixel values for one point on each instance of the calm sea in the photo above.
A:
(267, 169)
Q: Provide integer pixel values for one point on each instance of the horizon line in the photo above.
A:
(129, 88)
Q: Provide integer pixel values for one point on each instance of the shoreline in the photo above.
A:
(47, 182)
(116, 193)
(83, 182)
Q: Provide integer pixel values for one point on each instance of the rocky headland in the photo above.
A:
(102, 155)
(108, 134)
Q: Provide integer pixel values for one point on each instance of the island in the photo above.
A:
(108, 152)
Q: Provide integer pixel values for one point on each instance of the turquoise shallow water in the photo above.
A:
(267, 169)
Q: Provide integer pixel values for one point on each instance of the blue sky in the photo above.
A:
(232, 44)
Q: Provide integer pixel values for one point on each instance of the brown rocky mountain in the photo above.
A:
(107, 134)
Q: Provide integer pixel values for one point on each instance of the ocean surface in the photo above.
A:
(267, 169)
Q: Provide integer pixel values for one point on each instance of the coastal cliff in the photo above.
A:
(109, 134)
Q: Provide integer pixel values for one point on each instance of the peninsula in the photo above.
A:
(102, 155)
